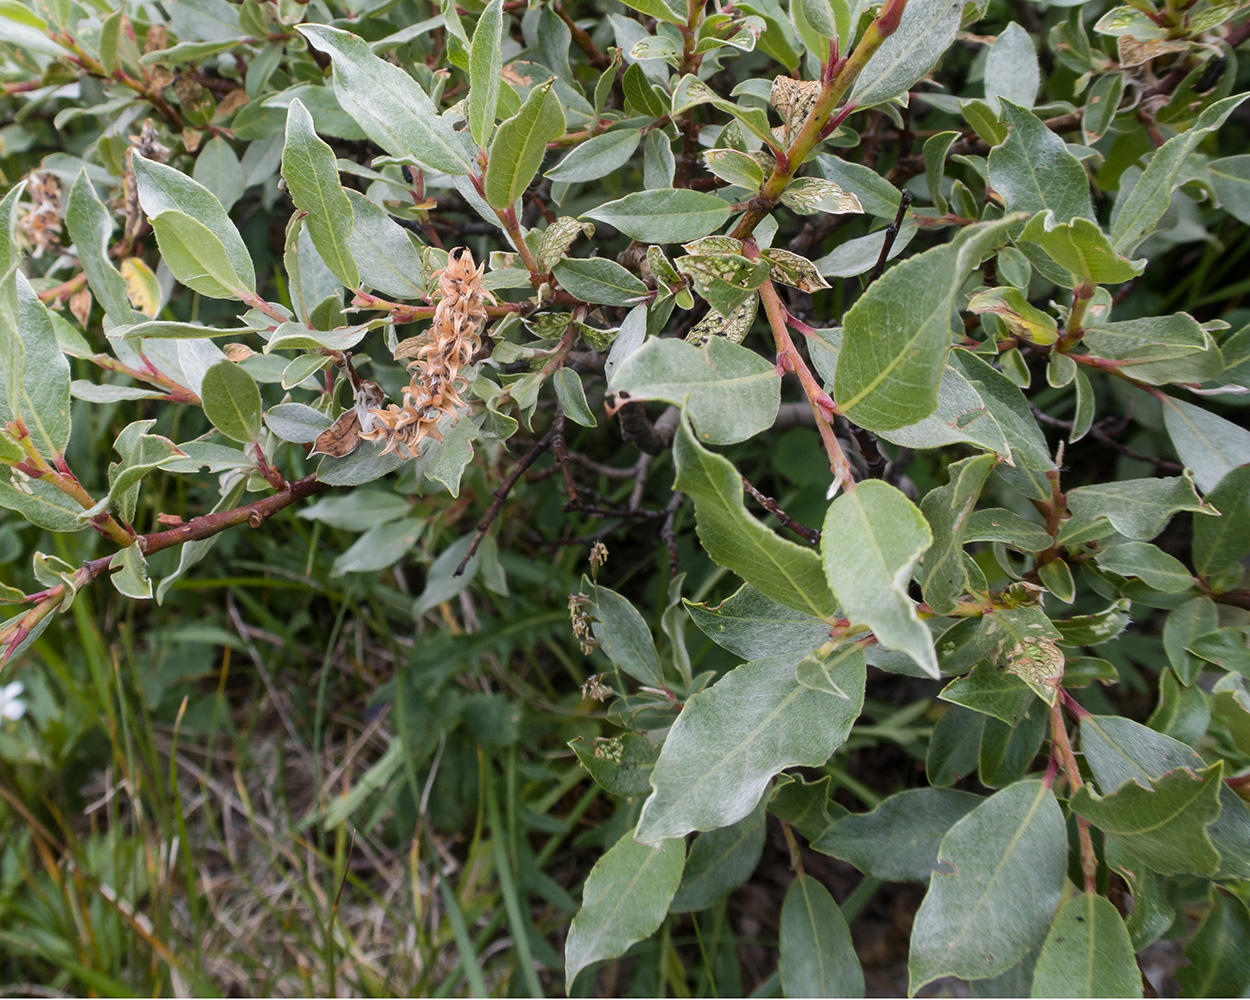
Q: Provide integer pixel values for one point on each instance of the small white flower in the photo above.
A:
(11, 705)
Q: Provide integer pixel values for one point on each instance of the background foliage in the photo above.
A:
(445, 604)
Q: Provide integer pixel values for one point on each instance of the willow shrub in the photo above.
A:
(930, 224)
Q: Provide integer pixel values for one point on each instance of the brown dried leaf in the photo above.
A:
(794, 100)
(157, 39)
(793, 270)
(231, 102)
(341, 438)
(733, 327)
(80, 305)
(409, 346)
(1135, 52)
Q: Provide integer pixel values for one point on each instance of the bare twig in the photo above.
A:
(501, 494)
(809, 535)
(561, 454)
(891, 234)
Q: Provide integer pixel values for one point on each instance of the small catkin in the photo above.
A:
(435, 381)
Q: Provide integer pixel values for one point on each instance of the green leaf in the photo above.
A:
(1220, 543)
(1011, 69)
(33, 369)
(486, 71)
(691, 91)
(719, 862)
(925, 31)
(389, 105)
(659, 9)
(1081, 247)
(1011, 412)
(872, 538)
(600, 280)
(42, 504)
(734, 167)
(998, 524)
(620, 766)
(1101, 106)
(1225, 647)
(129, 573)
(778, 568)
(1158, 349)
(729, 392)
(1034, 171)
(295, 336)
(141, 453)
(936, 148)
(297, 422)
(1136, 508)
(1165, 823)
(572, 397)
(219, 170)
(445, 461)
(312, 177)
(623, 635)
(382, 251)
(665, 215)
(817, 956)
(231, 401)
(1137, 215)
(899, 840)
(896, 337)
(164, 329)
(1184, 624)
(90, 226)
(625, 900)
(1219, 965)
(804, 804)
(818, 669)
(520, 144)
(998, 694)
(815, 23)
(1149, 563)
(379, 547)
(1006, 752)
(10, 251)
(961, 415)
(597, 157)
(1119, 750)
(953, 747)
(1208, 444)
(754, 626)
(1087, 953)
(876, 194)
(198, 258)
(163, 189)
(1230, 179)
(357, 510)
(730, 740)
(947, 509)
(1008, 861)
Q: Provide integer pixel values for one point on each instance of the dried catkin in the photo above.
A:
(41, 225)
(435, 381)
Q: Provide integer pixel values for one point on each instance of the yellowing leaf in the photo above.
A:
(141, 287)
